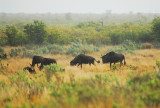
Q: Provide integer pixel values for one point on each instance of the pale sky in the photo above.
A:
(79, 6)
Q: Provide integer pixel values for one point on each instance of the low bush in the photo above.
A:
(15, 52)
(28, 53)
(51, 70)
(1, 50)
(3, 67)
(81, 47)
(55, 49)
(127, 46)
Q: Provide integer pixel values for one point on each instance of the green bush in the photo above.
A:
(51, 70)
(55, 49)
(42, 50)
(21, 79)
(127, 46)
(28, 53)
(15, 52)
(3, 55)
(3, 67)
(1, 50)
(81, 47)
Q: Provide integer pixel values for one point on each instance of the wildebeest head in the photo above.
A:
(73, 62)
(107, 58)
(41, 67)
(32, 71)
(32, 65)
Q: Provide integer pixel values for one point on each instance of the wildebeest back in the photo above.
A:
(47, 61)
(83, 59)
(113, 57)
(36, 60)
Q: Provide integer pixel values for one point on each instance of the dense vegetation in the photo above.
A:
(93, 32)
(57, 86)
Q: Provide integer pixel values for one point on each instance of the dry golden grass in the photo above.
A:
(144, 60)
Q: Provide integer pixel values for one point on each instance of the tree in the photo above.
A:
(156, 27)
(35, 32)
(11, 32)
(3, 37)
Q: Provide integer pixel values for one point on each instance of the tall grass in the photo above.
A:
(134, 85)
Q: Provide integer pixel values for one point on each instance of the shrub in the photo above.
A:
(3, 56)
(51, 70)
(42, 50)
(28, 53)
(21, 79)
(127, 46)
(15, 52)
(3, 68)
(131, 45)
(1, 50)
(49, 49)
(81, 47)
(55, 49)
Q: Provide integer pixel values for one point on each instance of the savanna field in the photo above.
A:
(63, 37)
(133, 85)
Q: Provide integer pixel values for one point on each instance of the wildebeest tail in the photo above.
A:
(124, 61)
(97, 61)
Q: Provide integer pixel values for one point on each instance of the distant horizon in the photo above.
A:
(76, 6)
(131, 12)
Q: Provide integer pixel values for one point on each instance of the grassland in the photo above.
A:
(133, 85)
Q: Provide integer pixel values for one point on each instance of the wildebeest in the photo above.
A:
(30, 70)
(36, 60)
(47, 61)
(113, 57)
(83, 59)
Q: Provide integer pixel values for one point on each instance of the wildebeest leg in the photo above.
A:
(41, 67)
(121, 63)
(81, 65)
(93, 63)
(37, 64)
(110, 65)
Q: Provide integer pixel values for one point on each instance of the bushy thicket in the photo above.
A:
(3, 55)
(51, 70)
(92, 32)
(127, 46)
(81, 47)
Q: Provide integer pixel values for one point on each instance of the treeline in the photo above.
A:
(75, 18)
(38, 33)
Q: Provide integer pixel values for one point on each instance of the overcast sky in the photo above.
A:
(79, 6)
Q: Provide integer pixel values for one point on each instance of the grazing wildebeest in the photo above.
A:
(83, 59)
(113, 57)
(47, 61)
(36, 60)
(30, 70)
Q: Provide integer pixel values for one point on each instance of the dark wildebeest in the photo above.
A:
(83, 59)
(113, 57)
(47, 61)
(30, 70)
(36, 60)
